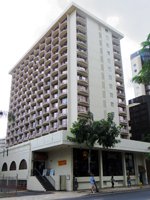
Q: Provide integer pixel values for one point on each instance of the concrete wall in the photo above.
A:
(56, 156)
(102, 84)
(17, 154)
(72, 70)
(34, 185)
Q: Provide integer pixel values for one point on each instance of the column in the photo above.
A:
(144, 163)
(136, 169)
(124, 169)
(100, 169)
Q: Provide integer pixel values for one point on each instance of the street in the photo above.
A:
(135, 195)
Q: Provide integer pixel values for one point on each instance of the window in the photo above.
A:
(64, 111)
(4, 167)
(80, 162)
(64, 101)
(23, 164)
(112, 163)
(64, 122)
(13, 166)
(130, 163)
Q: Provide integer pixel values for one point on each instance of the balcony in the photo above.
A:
(116, 42)
(123, 122)
(54, 72)
(120, 95)
(55, 49)
(55, 41)
(56, 33)
(63, 75)
(63, 105)
(48, 56)
(54, 81)
(54, 109)
(82, 71)
(81, 36)
(48, 40)
(63, 42)
(63, 66)
(63, 34)
(118, 70)
(54, 100)
(55, 57)
(46, 121)
(122, 103)
(63, 84)
(118, 63)
(122, 113)
(63, 57)
(55, 64)
(125, 132)
(83, 102)
(63, 116)
(53, 119)
(117, 56)
(63, 49)
(119, 78)
(63, 26)
(82, 81)
(42, 46)
(62, 127)
(82, 113)
(54, 90)
(48, 48)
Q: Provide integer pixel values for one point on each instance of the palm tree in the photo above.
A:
(143, 77)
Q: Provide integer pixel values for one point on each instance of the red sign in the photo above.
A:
(62, 162)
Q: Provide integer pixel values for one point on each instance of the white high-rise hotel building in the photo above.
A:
(75, 67)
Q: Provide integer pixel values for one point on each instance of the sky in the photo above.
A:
(23, 22)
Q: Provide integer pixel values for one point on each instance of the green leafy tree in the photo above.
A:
(143, 77)
(87, 131)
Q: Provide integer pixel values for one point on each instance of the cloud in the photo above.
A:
(113, 21)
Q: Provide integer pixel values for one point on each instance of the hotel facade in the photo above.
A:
(74, 68)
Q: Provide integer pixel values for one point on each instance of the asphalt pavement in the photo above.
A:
(29, 195)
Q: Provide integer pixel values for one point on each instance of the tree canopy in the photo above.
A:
(143, 77)
(87, 131)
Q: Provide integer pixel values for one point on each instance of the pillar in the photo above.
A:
(136, 168)
(144, 163)
(124, 169)
(100, 169)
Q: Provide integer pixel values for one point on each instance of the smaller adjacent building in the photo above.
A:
(139, 109)
(137, 60)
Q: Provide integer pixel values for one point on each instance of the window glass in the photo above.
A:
(112, 163)
(80, 162)
(130, 163)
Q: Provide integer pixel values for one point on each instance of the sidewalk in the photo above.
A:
(27, 195)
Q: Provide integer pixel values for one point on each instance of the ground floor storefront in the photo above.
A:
(66, 165)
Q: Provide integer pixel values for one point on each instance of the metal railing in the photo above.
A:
(8, 184)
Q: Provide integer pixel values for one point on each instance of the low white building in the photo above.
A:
(58, 155)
